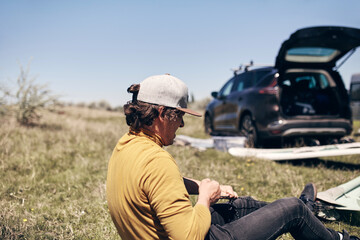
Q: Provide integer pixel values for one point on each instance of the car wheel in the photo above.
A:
(208, 124)
(248, 130)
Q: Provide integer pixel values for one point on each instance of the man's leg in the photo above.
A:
(272, 220)
(236, 208)
(227, 212)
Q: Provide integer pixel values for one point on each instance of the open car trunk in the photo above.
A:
(308, 83)
(309, 93)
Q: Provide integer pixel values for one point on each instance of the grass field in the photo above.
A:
(53, 174)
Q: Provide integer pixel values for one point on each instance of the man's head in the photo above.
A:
(165, 90)
(157, 97)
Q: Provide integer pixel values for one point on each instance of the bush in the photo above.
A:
(102, 105)
(3, 95)
(30, 98)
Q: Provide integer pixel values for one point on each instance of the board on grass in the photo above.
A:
(297, 153)
(344, 197)
(343, 200)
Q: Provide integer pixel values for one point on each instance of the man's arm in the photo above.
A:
(192, 187)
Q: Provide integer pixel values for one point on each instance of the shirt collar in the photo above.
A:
(148, 134)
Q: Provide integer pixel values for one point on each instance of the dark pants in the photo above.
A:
(249, 219)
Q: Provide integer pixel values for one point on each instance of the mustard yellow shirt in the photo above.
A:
(146, 195)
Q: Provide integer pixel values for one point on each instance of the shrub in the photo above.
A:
(4, 96)
(80, 104)
(104, 105)
(30, 98)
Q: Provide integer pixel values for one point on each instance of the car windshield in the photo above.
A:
(311, 54)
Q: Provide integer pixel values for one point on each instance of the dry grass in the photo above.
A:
(54, 182)
(53, 174)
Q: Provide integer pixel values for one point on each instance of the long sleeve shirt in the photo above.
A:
(146, 195)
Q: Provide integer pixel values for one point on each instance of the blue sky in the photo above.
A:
(93, 50)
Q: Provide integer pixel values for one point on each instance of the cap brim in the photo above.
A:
(186, 110)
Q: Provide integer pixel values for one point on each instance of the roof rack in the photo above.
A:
(245, 67)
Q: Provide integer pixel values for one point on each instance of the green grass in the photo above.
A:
(53, 175)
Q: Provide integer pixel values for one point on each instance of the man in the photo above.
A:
(148, 198)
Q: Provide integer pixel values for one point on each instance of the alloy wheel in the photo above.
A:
(249, 131)
(208, 124)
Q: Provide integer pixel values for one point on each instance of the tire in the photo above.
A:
(248, 130)
(208, 125)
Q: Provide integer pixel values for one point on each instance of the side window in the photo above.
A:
(248, 79)
(244, 80)
(240, 86)
(259, 75)
(226, 89)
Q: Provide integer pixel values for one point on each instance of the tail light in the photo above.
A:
(269, 90)
(275, 132)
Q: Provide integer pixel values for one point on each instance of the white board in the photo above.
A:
(298, 153)
(235, 146)
(344, 197)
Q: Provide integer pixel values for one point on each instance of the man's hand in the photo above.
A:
(227, 192)
(209, 192)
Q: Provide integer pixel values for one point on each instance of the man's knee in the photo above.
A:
(292, 204)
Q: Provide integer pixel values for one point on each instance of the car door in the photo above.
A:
(219, 119)
(235, 101)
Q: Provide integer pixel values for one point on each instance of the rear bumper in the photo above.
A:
(305, 127)
(314, 131)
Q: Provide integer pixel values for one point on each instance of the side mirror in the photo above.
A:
(214, 94)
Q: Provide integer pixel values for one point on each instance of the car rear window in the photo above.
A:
(311, 54)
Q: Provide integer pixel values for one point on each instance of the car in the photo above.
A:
(355, 96)
(301, 97)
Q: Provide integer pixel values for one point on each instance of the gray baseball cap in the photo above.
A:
(165, 90)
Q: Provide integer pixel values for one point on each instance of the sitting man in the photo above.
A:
(148, 198)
